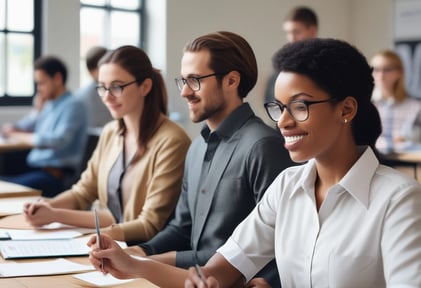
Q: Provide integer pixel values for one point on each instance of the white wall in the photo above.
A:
(60, 25)
(260, 22)
(172, 23)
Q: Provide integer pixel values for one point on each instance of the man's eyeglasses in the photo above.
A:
(115, 90)
(193, 82)
(298, 109)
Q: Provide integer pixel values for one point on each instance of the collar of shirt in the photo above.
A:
(231, 123)
(362, 170)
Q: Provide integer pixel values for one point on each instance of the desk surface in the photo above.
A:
(8, 189)
(8, 146)
(413, 157)
(53, 280)
(62, 280)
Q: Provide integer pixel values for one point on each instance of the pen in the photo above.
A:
(98, 235)
(200, 273)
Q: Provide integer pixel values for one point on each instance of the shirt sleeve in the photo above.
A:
(266, 160)
(28, 122)
(252, 244)
(68, 123)
(401, 241)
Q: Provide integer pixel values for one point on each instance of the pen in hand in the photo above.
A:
(98, 236)
(200, 273)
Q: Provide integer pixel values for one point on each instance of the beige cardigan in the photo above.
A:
(155, 179)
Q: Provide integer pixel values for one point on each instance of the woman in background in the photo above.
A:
(398, 111)
(136, 169)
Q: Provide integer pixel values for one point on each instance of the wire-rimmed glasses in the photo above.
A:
(193, 82)
(115, 90)
(298, 109)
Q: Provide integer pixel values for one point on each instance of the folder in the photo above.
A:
(23, 249)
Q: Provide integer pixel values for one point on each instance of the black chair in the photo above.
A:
(89, 149)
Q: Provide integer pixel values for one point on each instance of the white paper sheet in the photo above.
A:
(42, 234)
(98, 279)
(37, 268)
(47, 232)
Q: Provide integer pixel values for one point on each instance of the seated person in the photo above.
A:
(59, 135)
(340, 220)
(98, 114)
(398, 111)
(136, 170)
(229, 165)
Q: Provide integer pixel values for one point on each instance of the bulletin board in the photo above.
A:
(407, 40)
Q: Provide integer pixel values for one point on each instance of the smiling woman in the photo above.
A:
(304, 217)
(136, 169)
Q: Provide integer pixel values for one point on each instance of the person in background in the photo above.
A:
(136, 170)
(340, 220)
(229, 166)
(59, 134)
(98, 113)
(398, 111)
(299, 24)
(26, 123)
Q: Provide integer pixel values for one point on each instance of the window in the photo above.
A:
(109, 23)
(19, 46)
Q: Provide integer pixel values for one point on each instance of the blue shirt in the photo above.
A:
(60, 133)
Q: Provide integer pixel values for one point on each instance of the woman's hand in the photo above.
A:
(193, 280)
(39, 213)
(115, 261)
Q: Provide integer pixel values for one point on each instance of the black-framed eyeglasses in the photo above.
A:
(193, 82)
(115, 90)
(298, 109)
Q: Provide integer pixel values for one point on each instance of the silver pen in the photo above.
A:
(200, 273)
(98, 236)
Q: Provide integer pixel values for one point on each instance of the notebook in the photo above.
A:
(21, 249)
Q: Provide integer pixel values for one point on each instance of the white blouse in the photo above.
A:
(367, 232)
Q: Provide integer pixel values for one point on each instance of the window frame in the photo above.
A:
(8, 100)
(108, 8)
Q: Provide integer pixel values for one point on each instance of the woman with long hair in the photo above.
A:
(136, 169)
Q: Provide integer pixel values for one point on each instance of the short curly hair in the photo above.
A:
(340, 70)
